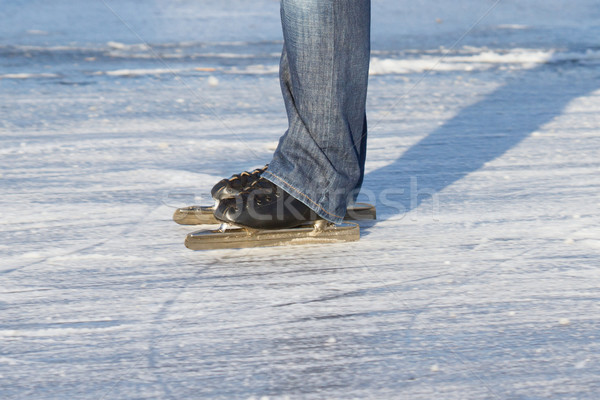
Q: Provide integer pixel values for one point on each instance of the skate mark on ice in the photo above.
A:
(466, 277)
(151, 356)
(129, 228)
(414, 315)
(361, 292)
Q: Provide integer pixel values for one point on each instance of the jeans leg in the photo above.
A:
(323, 73)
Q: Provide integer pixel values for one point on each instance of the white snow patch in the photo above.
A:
(8, 361)
(24, 75)
(54, 331)
(512, 26)
(480, 60)
(97, 257)
(258, 69)
(138, 72)
(213, 81)
(591, 243)
(123, 46)
(36, 32)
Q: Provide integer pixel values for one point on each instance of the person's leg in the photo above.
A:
(324, 73)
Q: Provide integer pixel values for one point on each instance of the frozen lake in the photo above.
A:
(479, 280)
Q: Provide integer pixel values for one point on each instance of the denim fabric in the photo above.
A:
(323, 74)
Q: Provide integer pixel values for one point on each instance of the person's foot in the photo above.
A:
(264, 205)
(231, 187)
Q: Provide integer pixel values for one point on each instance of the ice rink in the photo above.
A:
(479, 280)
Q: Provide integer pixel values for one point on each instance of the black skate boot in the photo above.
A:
(227, 188)
(264, 205)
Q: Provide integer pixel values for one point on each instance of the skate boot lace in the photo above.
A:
(247, 177)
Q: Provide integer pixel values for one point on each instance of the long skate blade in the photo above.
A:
(238, 238)
(203, 215)
(195, 215)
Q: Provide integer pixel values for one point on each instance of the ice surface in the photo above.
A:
(480, 280)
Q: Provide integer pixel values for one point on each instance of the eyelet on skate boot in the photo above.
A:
(227, 188)
(260, 208)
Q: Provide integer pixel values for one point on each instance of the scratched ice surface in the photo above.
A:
(480, 279)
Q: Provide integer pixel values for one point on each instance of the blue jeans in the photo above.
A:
(323, 74)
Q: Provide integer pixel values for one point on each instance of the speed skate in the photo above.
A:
(203, 215)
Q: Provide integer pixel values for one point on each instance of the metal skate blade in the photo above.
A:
(195, 215)
(360, 212)
(235, 237)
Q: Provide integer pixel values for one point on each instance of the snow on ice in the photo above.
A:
(479, 280)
